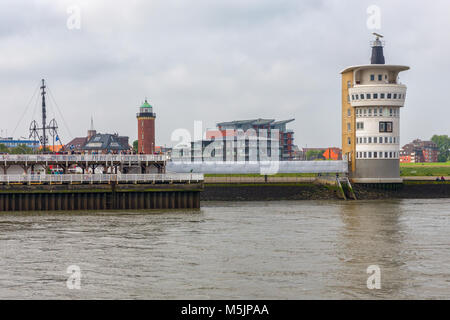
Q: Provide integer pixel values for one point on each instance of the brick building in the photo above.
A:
(419, 151)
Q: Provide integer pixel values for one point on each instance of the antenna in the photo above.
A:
(377, 35)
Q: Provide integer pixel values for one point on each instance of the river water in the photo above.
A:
(232, 250)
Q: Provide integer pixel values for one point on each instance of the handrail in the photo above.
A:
(82, 158)
(101, 178)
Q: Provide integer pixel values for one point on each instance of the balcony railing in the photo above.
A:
(43, 158)
(101, 178)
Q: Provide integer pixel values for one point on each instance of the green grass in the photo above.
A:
(425, 169)
(429, 164)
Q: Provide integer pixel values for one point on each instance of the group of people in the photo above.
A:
(441, 179)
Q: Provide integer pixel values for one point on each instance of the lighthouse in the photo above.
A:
(146, 128)
(372, 99)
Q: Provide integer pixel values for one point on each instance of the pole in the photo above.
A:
(44, 116)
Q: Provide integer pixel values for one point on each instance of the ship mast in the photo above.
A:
(44, 116)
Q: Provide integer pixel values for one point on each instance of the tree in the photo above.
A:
(3, 148)
(443, 143)
(21, 149)
(314, 154)
(135, 145)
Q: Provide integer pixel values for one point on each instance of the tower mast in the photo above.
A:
(44, 116)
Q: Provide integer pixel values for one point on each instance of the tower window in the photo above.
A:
(349, 84)
(349, 141)
(348, 126)
(349, 112)
(385, 126)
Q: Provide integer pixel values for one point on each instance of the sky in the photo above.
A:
(214, 61)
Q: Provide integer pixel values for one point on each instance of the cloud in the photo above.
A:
(216, 61)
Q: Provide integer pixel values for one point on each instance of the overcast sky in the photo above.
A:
(214, 61)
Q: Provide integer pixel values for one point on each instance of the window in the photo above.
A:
(395, 96)
(390, 154)
(380, 77)
(382, 95)
(381, 112)
(357, 97)
(370, 154)
(390, 139)
(374, 139)
(360, 125)
(385, 126)
(380, 154)
(370, 139)
(380, 140)
(348, 126)
(370, 112)
(372, 77)
(349, 112)
(348, 98)
(368, 96)
(365, 141)
(390, 112)
(375, 112)
(375, 154)
(353, 97)
(385, 139)
(349, 141)
(365, 154)
(365, 111)
(385, 154)
(362, 96)
(389, 95)
(375, 95)
(349, 84)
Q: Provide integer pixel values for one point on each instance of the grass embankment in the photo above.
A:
(435, 169)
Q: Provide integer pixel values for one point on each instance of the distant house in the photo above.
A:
(333, 153)
(106, 143)
(419, 151)
(98, 143)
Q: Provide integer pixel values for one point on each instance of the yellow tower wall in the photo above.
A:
(348, 149)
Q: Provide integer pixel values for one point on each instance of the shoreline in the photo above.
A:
(316, 191)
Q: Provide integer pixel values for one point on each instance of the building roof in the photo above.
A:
(105, 141)
(146, 104)
(393, 67)
(76, 144)
(256, 122)
(283, 121)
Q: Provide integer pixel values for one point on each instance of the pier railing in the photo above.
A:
(101, 178)
(77, 158)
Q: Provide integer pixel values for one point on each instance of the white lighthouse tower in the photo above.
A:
(372, 97)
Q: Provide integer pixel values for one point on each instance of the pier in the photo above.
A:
(100, 192)
(107, 163)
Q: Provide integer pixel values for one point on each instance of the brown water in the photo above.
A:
(230, 250)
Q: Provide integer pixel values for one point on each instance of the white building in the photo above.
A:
(372, 99)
